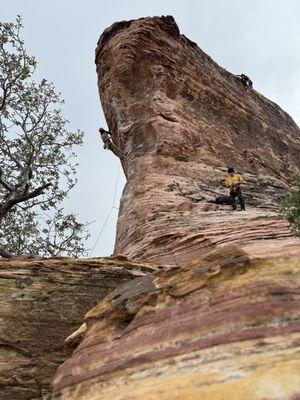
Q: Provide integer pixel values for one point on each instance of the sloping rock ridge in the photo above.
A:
(41, 303)
(219, 318)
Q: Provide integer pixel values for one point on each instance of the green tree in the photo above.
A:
(37, 161)
(290, 206)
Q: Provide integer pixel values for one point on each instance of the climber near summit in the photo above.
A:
(233, 182)
(246, 81)
(108, 143)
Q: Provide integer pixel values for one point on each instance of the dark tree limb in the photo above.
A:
(4, 253)
(5, 184)
(19, 197)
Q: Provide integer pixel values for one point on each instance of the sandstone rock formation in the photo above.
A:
(225, 327)
(180, 120)
(42, 302)
(219, 319)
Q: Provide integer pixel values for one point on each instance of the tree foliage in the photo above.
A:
(37, 161)
(290, 206)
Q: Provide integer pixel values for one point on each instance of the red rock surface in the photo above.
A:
(224, 327)
(42, 302)
(180, 120)
(220, 318)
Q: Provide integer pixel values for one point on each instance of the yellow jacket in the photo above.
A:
(236, 179)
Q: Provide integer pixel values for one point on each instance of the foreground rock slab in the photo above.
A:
(219, 319)
(224, 327)
(41, 303)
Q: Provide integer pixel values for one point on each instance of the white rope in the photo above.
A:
(109, 213)
(116, 186)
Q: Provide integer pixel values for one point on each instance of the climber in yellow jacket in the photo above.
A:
(233, 182)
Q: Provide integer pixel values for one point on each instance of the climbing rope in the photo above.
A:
(109, 213)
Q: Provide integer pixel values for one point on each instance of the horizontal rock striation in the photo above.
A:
(224, 327)
(219, 318)
(179, 120)
(42, 302)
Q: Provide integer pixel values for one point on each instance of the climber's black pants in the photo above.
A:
(237, 193)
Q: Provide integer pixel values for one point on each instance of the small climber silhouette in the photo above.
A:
(108, 143)
(245, 80)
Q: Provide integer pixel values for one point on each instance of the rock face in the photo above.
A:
(180, 121)
(225, 327)
(42, 302)
(219, 319)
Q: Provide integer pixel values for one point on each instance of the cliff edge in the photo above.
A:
(180, 120)
(219, 318)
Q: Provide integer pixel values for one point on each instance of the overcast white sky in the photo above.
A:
(260, 38)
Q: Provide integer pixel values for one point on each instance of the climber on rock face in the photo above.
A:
(246, 81)
(108, 143)
(233, 182)
(106, 138)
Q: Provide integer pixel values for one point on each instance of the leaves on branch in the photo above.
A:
(37, 161)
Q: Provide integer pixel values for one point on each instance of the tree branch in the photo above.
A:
(8, 153)
(3, 98)
(5, 184)
(4, 253)
(18, 197)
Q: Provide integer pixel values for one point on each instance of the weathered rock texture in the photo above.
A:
(42, 302)
(225, 327)
(221, 319)
(180, 120)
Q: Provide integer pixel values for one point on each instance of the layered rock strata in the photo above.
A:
(219, 319)
(179, 120)
(224, 327)
(41, 303)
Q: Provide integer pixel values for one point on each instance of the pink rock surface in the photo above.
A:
(180, 120)
(219, 318)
